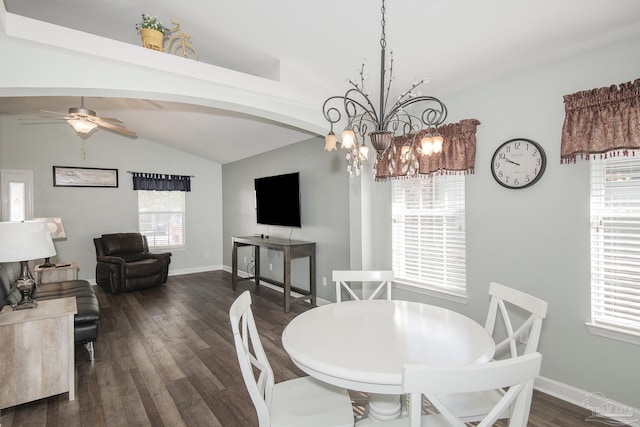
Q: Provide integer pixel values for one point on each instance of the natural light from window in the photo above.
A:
(615, 247)
(428, 233)
(161, 217)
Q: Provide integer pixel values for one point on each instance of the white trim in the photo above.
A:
(592, 401)
(432, 292)
(614, 333)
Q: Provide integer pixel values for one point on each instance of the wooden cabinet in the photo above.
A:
(37, 352)
(60, 273)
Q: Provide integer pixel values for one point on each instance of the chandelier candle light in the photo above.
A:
(385, 123)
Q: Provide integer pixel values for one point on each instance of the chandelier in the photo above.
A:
(388, 121)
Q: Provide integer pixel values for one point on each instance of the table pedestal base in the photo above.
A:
(382, 407)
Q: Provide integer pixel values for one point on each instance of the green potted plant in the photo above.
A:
(152, 31)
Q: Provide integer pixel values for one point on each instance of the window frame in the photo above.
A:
(153, 247)
(447, 202)
(618, 215)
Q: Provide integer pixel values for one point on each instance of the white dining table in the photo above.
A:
(364, 345)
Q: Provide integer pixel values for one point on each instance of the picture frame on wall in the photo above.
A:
(68, 176)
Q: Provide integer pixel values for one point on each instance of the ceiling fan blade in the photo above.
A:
(115, 128)
(57, 113)
(111, 120)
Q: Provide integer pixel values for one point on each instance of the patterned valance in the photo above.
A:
(604, 120)
(458, 154)
(160, 182)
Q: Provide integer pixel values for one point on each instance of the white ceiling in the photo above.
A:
(456, 43)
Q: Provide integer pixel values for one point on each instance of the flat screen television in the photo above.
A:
(278, 200)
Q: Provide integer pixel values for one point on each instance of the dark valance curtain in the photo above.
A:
(404, 159)
(160, 182)
(604, 120)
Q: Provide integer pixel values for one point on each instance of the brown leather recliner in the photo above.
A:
(125, 263)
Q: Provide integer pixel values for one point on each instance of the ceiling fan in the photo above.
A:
(85, 121)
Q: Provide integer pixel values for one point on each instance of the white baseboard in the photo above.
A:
(596, 402)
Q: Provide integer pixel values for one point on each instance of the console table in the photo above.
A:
(37, 351)
(292, 249)
(59, 273)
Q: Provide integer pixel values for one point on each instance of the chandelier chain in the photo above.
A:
(383, 36)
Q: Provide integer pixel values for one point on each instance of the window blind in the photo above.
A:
(428, 232)
(615, 242)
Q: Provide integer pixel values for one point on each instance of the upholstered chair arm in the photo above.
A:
(110, 272)
(165, 258)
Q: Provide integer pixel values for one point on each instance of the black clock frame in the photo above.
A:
(543, 156)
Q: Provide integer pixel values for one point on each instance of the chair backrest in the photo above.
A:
(246, 339)
(535, 306)
(516, 373)
(382, 282)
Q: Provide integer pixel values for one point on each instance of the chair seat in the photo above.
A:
(472, 406)
(425, 421)
(304, 402)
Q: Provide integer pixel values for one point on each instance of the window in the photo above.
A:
(615, 247)
(428, 234)
(161, 218)
(16, 189)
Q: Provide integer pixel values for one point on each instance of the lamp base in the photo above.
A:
(25, 303)
(46, 264)
(25, 285)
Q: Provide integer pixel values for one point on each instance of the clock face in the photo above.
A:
(518, 163)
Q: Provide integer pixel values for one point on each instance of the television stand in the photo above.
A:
(291, 249)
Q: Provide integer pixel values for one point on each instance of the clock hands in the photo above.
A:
(511, 161)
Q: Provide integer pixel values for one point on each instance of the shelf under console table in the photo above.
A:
(291, 249)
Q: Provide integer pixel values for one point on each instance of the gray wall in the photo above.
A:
(324, 189)
(90, 212)
(536, 239)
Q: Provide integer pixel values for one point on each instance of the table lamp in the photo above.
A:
(56, 229)
(22, 242)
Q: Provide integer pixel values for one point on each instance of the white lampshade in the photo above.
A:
(24, 241)
(437, 143)
(348, 138)
(330, 141)
(56, 229)
(427, 144)
(82, 127)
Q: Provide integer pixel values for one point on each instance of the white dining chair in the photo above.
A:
(474, 406)
(299, 402)
(380, 279)
(515, 375)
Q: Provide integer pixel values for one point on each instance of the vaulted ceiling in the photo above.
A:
(457, 44)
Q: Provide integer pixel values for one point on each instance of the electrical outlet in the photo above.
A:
(245, 260)
(270, 267)
(324, 281)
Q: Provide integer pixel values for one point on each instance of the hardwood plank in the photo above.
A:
(165, 357)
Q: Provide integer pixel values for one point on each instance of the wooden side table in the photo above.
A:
(37, 351)
(60, 273)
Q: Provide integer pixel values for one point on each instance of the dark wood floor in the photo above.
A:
(165, 357)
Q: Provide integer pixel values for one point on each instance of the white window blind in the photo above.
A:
(161, 218)
(615, 242)
(428, 232)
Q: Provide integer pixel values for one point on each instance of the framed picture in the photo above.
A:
(66, 176)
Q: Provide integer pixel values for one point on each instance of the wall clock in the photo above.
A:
(518, 163)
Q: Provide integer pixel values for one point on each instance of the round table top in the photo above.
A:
(363, 345)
